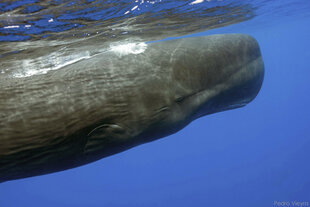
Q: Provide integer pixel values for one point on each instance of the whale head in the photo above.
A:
(216, 73)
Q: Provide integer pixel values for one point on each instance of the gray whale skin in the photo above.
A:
(109, 103)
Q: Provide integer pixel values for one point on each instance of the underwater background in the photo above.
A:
(254, 156)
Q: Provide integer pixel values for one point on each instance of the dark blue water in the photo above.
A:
(254, 156)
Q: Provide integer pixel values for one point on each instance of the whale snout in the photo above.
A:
(246, 76)
(223, 72)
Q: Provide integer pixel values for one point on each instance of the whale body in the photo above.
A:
(114, 101)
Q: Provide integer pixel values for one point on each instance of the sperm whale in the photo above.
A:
(111, 102)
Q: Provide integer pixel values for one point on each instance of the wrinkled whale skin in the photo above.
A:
(112, 102)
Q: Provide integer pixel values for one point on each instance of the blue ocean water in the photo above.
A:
(253, 156)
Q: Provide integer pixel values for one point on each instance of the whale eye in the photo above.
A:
(180, 99)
